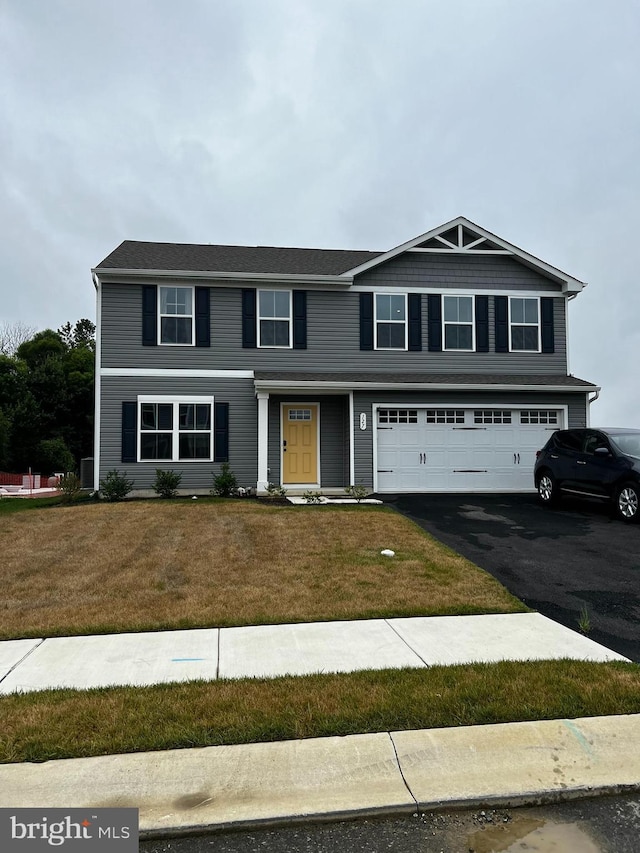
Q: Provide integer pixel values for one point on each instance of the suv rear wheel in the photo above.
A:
(547, 489)
(628, 502)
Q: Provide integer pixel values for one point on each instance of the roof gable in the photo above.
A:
(461, 236)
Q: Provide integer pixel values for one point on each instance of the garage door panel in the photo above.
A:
(476, 450)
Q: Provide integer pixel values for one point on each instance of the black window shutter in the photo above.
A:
(129, 430)
(435, 322)
(249, 338)
(149, 315)
(548, 337)
(299, 319)
(203, 325)
(482, 324)
(502, 325)
(221, 432)
(366, 321)
(414, 301)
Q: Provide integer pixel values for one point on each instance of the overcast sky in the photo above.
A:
(331, 123)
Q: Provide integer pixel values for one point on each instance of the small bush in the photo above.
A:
(166, 483)
(115, 486)
(52, 454)
(357, 492)
(225, 484)
(70, 486)
(275, 491)
(313, 497)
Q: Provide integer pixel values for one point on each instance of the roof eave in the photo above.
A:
(295, 385)
(341, 279)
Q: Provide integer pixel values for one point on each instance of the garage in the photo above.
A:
(459, 449)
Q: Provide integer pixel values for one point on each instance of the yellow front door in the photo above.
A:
(300, 444)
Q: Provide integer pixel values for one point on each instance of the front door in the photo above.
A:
(300, 444)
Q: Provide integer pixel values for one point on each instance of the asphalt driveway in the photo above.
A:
(558, 561)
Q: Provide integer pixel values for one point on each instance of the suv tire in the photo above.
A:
(627, 502)
(547, 488)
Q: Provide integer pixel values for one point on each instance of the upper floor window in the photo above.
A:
(175, 430)
(176, 315)
(524, 324)
(457, 317)
(274, 318)
(391, 321)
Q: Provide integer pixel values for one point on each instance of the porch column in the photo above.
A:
(263, 442)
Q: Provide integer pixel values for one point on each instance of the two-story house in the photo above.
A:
(438, 366)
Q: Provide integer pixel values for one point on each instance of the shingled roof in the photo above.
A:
(377, 377)
(137, 255)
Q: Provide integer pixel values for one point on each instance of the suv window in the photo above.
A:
(567, 439)
(594, 441)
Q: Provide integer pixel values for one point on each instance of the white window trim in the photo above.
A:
(260, 317)
(160, 315)
(529, 325)
(395, 322)
(446, 323)
(175, 430)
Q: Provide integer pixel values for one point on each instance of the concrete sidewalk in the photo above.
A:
(193, 790)
(269, 651)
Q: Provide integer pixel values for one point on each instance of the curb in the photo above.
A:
(193, 791)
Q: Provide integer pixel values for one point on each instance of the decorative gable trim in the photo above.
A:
(461, 236)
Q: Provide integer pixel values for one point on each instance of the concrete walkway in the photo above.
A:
(192, 790)
(218, 787)
(268, 651)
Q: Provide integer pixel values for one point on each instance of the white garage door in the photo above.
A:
(460, 449)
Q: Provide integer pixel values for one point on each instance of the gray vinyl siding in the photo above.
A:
(486, 272)
(333, 340)
(196, 476)
(364, 401)
(334, 437)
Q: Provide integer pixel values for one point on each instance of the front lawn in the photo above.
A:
(144, 565)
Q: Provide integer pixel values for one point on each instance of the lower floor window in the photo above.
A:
(175, 430)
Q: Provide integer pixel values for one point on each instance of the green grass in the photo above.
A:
(69, 723)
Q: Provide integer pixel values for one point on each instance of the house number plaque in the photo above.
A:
(363, 420)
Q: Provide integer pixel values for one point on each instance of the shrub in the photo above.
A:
(275, 491)
(357, 492)
(166, 483)
(52, 454)
(225, 484)
(115, 486)
(70, 486)
(313, 497)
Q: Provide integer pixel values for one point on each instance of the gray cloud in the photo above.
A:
(346, 124)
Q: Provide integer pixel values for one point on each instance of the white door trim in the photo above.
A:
(302, 405)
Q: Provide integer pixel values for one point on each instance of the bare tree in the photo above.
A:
(14, 334)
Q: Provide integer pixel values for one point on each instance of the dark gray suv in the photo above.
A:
(599, 463)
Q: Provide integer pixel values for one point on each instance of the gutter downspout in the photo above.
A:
(591, 400)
